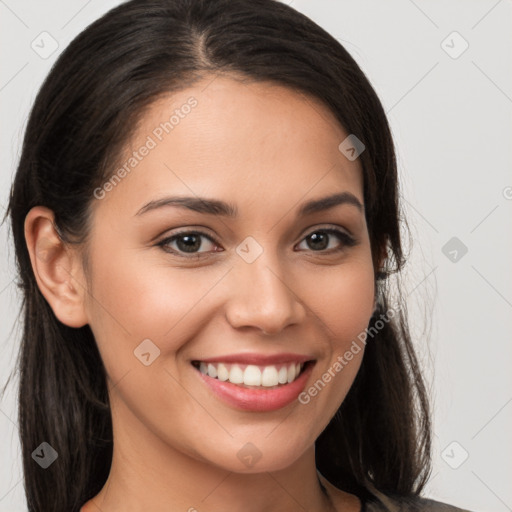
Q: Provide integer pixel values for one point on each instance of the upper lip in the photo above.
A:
(258, 359)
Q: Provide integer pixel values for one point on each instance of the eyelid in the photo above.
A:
(321, 227)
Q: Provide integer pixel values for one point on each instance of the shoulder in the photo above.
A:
(385, 503)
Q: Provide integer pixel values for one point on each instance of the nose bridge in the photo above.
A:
(261, 296)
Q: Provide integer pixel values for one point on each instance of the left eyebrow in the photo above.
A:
(326, 203)
(221, 208)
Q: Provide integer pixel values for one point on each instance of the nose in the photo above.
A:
(261, 298)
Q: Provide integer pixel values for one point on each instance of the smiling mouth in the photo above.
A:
(253, 376)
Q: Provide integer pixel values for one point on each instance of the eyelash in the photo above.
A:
(346, 241)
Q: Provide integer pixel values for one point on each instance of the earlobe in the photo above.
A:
(56, 268)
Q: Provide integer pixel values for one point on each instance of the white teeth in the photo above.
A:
(236, 375)
(282, 376)
(212, 371)
(291, 373)
(269, 376)
(252, 375)
(222, 372)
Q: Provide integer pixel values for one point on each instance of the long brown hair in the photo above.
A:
(83, 115)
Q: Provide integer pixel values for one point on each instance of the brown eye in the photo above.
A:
(187, 242)
(320, 239)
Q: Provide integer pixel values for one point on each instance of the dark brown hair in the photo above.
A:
(84, 113)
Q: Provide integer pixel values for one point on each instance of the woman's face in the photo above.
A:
(263, 285)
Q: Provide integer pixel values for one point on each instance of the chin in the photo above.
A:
(259, 454)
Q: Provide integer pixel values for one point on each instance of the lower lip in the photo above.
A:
(258, 400)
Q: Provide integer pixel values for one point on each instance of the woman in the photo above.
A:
(206, 223)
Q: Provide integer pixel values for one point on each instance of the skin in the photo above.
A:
(266, 149)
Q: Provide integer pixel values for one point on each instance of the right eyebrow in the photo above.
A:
(197, 204)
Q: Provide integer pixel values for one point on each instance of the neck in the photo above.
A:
(149, 474)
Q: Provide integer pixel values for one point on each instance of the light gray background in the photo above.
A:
(451, 119)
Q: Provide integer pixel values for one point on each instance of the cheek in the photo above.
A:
(355, 306)
(344, 303)
(343, 299)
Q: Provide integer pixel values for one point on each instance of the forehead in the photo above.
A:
(245, 142)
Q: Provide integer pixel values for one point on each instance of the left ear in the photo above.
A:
(57, 268)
